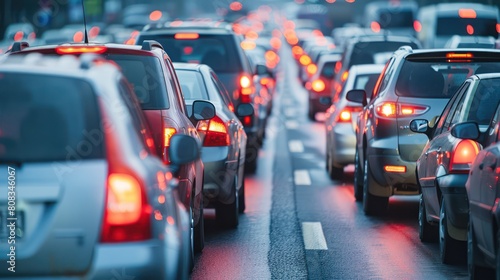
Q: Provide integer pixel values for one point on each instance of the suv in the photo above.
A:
(82, 162)
(151, 73)
(443, 167)
(218, 46)
(414, 83)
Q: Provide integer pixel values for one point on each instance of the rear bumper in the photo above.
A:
(456, 202)
(219, 174)
(391, 183)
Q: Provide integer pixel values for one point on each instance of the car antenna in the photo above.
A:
(86, 36)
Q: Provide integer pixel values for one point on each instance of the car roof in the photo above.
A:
(188, 66)
(362, 69)
(201, 27)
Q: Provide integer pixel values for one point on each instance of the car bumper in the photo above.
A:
(219, 173)
(343, 144)
(390, 183)
(452, 188)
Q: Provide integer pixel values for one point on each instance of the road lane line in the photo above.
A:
(295, 146)
(302, 178)
(292, 124)
(314, 239)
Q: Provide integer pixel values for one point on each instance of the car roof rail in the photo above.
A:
(148, 45)
(19, 46)
(405, 48)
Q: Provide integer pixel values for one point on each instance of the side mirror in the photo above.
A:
(203, 110)
(465, 130)
(358, 96)
(183, 149)
(419, 126)
(325, 100)
(244, 110)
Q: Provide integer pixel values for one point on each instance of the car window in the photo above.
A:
(449, 110)
(383, 79)
(448, 26)
(140, 126)
(217, 51)
(222, 89)
(328, 70)
(456, 111)
(174, 82)
(145, 74)
(391, 18)
(364, 52)
(480, 106)
(192, 85)
(48, 119)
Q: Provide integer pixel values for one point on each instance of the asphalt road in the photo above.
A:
(301, 225)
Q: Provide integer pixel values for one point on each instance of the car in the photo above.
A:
(438, 23)
(443, 166)
(91, 198)
(415, 83)
(482, 195)
(149, 69)
(397, 18)
(319, 86)
(457, 41)
(339, 119)
(218, 46)
(223, 151)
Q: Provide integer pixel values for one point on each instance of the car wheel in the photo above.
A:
(199, 231)
(241, 198)
(452, 251)
(335, 173)
(476, 271)
(426, 231)
(191, 238)
(252, 153)
(227, 214)
(358, 179)
(311, 114)
(372, 204)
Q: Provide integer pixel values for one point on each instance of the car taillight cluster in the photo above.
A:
(346, 114)
(246, 88)
(463, 155)
(215, 132)
(391, 110)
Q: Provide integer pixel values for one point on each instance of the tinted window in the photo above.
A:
(437, 79)
(146, 75)
(328, 70)
(48, 119)
(395, 19)
(192, 85)
(448, 26)
(482, 105)
(217, 51)
(364, 52)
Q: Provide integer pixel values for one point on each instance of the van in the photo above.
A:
(395, 17)
(438, 23)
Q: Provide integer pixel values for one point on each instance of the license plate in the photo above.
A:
(9, 223)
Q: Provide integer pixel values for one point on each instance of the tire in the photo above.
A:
(191, 239)
(241, 198)
(227, 214)
(252, 154)
(311, 114)
(199, 231)
(372, 205)
(452, 251)
(426, 231)
(335, 173)
(476, 270)
(358, 179)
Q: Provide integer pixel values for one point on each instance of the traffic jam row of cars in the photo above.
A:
(415, 117)
(117, 149)
(152, 132)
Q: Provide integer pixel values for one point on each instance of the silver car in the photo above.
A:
(81, 189)
(340, 136)
(224, 145)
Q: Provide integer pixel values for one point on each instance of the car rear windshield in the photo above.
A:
(396, 19)
(48, 119)
(449, 26)
(217, 51)
(328, 70)
(192, 85)
(146, 76)
(438, 79)
(365, 52)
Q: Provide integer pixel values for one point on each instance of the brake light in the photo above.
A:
(346, 114)
(155, 15)
(305, 60)
(409, 110)
(345, 75)
(459, 55)
(18, 36)
(311, 69)
(467, 13)
(375, 26)
(247, 121)
(248, 45)
(395, 168)
(470, 29)
(186, 36)
(246, 88)
(318, 85)
(417, 26)
(80, 49)
(216, 133)
(127, 213)
(387, 109)
(463, 155)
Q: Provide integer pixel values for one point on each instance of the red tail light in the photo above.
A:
(311, 69)
(390, 110)
(375, 26)
(246, 88)
(127, 213)
(186, 36)
(80, 49)
(215, 133)
(463, 155)
(305, 60)
(346, 114)
(168, 132)
(318, 85)
(417, 26)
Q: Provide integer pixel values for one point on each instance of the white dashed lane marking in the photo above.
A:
(295, 146)
(291, 124)
(302, 178)
(314, 239)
